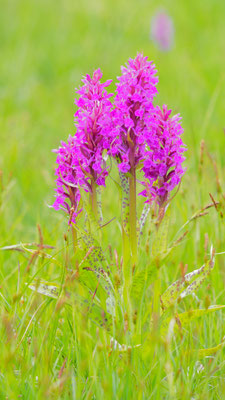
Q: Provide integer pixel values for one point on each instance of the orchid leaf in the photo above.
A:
(125, 201)
(47, 289)
(186, 285)
(185, 318)
(142, 280)
(94, 260)
(160, 241)
(93, 224)
(99, 203)
(143, 219)
(87, 307)
(201, 353)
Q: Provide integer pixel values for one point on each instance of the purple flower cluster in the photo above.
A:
(131, 130)
(81, 162)
(133, 112)
(68, 176)
(93, 122)
(164, 156)
(162, 31)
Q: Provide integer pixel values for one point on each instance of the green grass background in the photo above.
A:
(46, 46)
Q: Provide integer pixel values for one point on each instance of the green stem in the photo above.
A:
(74, 236)
(127, 271)
(156, 296)
(93, 199)
(126, 252)
(132, 210)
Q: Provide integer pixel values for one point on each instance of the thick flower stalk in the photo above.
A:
(164, 157)
(132, 117)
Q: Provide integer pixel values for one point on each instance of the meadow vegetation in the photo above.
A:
(49, 346)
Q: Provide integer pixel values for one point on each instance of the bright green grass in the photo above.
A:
(46, 46)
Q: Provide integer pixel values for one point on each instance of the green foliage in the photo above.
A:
(160, 241)
(184, 319)
(186, 285)
(50, 347)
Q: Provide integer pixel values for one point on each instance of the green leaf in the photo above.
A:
(86, 306)
(201, 353)
(6, 304)
(160, 241)
(16, 247)
(93, 224)
(125, 201)
(185, 318)
(47, 289)
(186, 285)
(143, 219)
(99, 203)
(141, 280)
(116, 346)
(94, 261)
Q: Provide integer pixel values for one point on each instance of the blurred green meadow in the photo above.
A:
(46, 47)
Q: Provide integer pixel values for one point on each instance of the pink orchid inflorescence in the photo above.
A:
(81, 162)
(93, 123)
(133, 112)
(131, 130)
(164, 156)
(68, 176)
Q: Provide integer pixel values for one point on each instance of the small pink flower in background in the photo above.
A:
(162, 31)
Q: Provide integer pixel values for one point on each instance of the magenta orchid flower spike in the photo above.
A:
(81, 162)
(164, 157)
(93, 125)
(132, 114)
(133, 131)
(132, 118)
(68, 176)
